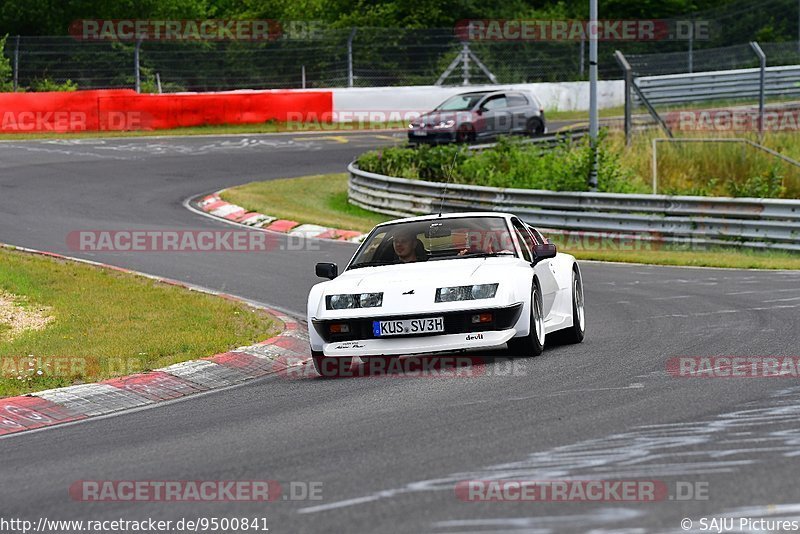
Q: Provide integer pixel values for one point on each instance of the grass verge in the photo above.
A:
(106, 323)
(322, 200)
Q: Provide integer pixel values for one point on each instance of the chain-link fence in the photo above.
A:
(331, 57)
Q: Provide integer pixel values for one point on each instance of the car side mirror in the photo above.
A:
(327, 270)
(543, 252)
(479, 111)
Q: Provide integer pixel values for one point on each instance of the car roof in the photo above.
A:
(457, 215)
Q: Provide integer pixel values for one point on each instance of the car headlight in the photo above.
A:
(370, 300)
(445, 124)
(346, 302)
(476, 292)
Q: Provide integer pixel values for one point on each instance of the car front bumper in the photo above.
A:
(407, 346)
(431, 136)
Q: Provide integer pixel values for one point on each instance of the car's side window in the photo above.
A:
(495, 102)
(524, 239)
(516, 100)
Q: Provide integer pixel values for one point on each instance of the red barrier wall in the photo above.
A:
(124, 109)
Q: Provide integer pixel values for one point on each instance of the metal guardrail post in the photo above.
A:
(762, 59)
(628, 70)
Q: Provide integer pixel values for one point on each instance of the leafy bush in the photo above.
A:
(511, 163)
(46, 84)
(760, 186)
(5, 68)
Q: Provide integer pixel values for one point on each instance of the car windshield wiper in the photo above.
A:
(370, 264)
(486, 254)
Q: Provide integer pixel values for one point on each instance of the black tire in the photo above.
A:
(535, 128)
(576, 332)
(465, 134)
(330, 367)
(532, 344)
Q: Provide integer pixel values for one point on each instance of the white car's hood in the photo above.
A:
(411, 288)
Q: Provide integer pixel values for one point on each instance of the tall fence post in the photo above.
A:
(350, 57)
(583, 54)
(16, 63)
(628, 70)
(593, 115)
(303, 75)
(136, 77)
(762, 60)
(465, 64)
(691, 47)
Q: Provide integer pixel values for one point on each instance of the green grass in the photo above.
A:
(619, 111)
(323, 200)
(318, 199)
(713, 168)
(108, 323)
(223, 129)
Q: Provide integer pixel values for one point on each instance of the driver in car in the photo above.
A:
(405, 246)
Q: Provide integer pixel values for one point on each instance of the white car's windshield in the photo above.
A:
(460, 102)
(435, 239)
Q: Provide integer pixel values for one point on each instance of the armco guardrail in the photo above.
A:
(747, 222)
(719, 85)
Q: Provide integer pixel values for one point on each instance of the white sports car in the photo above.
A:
(445, 283)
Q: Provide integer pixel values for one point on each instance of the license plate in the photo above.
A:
(407, 327)
(420, 134)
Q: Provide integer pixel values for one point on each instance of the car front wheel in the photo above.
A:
(330, 367)
(533, 343)
(465, 134)
(577, 331)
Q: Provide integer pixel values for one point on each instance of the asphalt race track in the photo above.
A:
(388, 451)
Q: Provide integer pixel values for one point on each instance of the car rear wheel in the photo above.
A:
(577, 331)
(533, 343)
(535, 128)
(330, 367)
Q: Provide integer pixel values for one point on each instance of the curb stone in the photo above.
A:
(73, 403)
(215, 206)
